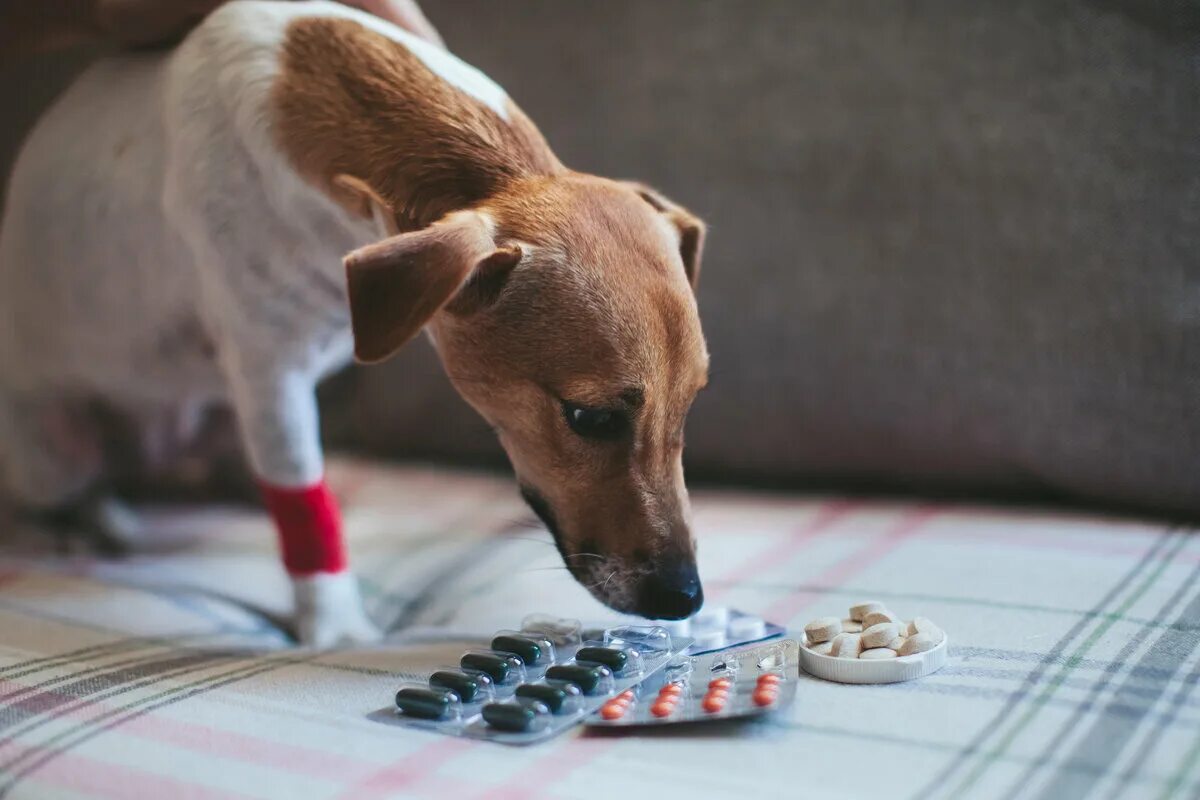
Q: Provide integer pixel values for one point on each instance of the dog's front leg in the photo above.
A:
(277, 412)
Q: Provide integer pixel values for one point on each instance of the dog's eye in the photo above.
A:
(595, 423)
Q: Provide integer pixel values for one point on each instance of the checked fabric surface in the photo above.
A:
(1074, 666)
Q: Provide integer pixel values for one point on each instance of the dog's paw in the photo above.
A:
(324, 632)
(329, 611)
(114, 521)
(96, 525)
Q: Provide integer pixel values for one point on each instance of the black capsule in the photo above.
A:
(527, 650)
(466, 687)
(552, 697)
(496, 666)
(610, 657)
(513, 717)
(424, 703)
(585, 676)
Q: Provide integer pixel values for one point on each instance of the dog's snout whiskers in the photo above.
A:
(602, 584)
(583, 555)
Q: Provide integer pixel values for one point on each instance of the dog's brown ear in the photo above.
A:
(359, 198)
(397, 285)
(691, 229)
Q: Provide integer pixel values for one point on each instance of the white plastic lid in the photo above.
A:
(886, 670)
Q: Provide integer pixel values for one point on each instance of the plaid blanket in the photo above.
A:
(1073, 671)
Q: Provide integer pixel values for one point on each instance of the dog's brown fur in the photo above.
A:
(352, 101)
(540, 285)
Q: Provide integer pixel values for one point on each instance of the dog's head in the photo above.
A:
(564, 312)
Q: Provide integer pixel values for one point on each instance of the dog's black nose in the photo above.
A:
(671, 593)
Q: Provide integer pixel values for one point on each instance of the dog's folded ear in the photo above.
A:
(397, 285)
(691, 229)
(359, 198)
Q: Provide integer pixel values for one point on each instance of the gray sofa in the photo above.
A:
(954, 247)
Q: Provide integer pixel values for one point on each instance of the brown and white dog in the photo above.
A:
(174, 239)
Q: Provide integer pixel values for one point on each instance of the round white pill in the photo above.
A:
(858, 612)
(824, 648)
(880, 635)
(823, 629)
(876, 653)
(851, 626)
(846, 645)
(711, 619)
(917, 643)
(709, 640)
(876, 617)
(897, 643)
(925, 625)
(675, 627)
(747, 627)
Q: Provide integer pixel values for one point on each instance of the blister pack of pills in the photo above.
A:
(730, 684)
(718, 628)
(535, 682)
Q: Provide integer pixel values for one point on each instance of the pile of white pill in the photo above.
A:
(871, 632)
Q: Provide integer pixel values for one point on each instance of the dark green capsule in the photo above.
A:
(496, 666)
(466, 687)
(424, 703)
(512, 717)
(552, 697)
(586, 676)
(527, 650)
(611, 657)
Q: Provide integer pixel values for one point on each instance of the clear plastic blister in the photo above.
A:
(535, 650)
(506, 670)
(729, 684)
(624, 661)
(564, 633)
(719, 628)
(536, 682)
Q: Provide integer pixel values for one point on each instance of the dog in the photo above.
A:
(176, 238)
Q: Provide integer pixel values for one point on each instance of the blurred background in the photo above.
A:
(954, 248)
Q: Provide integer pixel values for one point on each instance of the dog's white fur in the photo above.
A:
(158, 251)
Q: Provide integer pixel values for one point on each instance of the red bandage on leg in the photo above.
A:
(310, 528)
